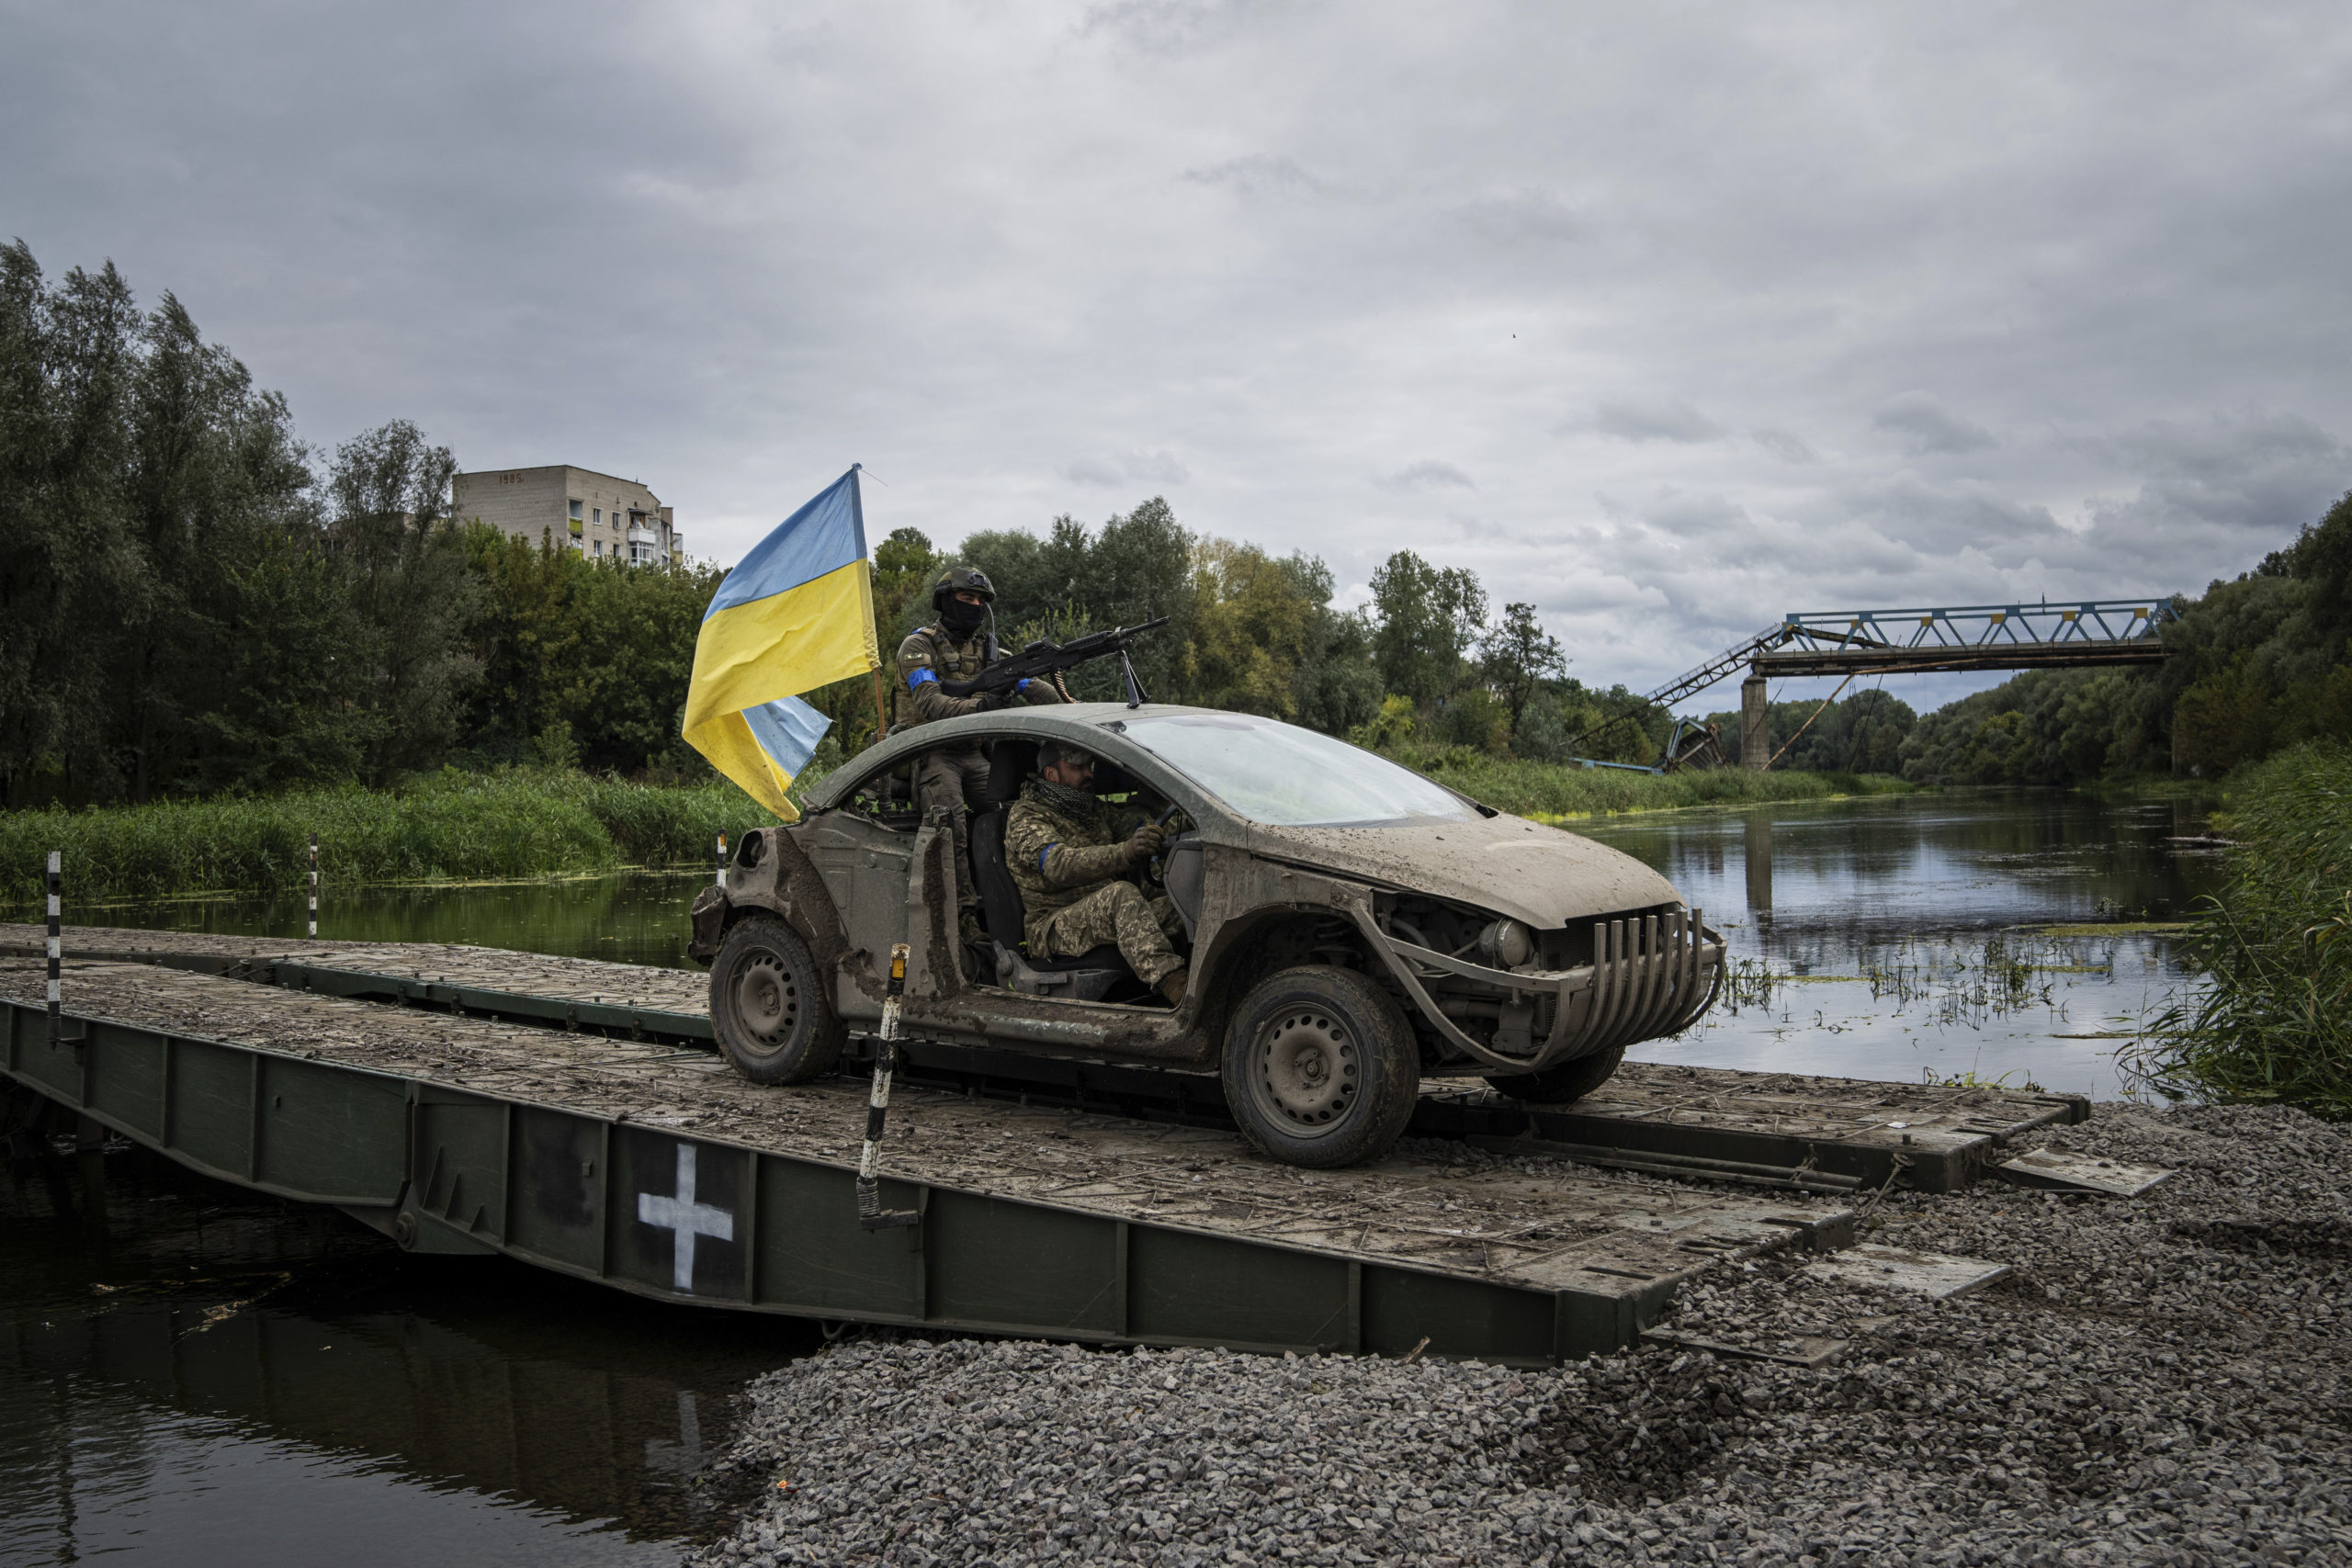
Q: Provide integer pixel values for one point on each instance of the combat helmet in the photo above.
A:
(960, 579)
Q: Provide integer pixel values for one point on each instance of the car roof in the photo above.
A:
(1088, 724)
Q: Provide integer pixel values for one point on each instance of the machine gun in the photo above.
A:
(1042, 660)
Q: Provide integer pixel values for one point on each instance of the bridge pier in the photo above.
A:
(1755, 727)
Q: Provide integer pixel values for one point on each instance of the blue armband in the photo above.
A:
(1021, 685)
(1049, 849)
(917, 677)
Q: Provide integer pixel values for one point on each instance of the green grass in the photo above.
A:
(2274, 1022)
(511, 825)
(1552, 792)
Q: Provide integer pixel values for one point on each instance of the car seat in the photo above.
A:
(1093, 974)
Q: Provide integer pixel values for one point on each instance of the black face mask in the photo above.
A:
(960, 616)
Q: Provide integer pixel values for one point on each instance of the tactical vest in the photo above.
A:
(936, 649)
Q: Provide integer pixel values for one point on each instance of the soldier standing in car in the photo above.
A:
(1072, 854)
(954, 647)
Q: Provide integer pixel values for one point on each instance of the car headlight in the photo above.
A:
(1507, 944)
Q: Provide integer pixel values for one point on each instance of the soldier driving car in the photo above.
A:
(1074, 856)
(954, 647)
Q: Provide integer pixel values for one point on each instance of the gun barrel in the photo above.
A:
(1049, 659)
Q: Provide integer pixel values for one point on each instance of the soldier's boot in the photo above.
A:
(1172, 985)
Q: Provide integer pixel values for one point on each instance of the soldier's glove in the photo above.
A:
(1144, 843)
(991, 701)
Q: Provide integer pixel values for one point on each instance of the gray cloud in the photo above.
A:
(1177, 26)
(1670, 419)
(1131, 467)
(1424, 475)
(960, 244)
(1927, 426)
(1526, 220)
(1266, 176)
(1947, 520)
(1788, 447)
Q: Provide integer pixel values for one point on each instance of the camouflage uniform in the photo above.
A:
(1068, 860)
(951, 776)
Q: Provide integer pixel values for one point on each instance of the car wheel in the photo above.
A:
(1320, 1067)
(1569, 1080)
(768, 1005)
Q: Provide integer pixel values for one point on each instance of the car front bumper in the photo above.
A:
(1650, 975)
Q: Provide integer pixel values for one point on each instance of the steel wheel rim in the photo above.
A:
(1306, 1071)
(768, 1000)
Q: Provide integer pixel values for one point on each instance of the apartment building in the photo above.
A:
(598, 514)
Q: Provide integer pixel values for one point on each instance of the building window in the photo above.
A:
(575, 511)
(599, 518)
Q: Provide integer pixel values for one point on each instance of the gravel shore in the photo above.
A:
(2158, 1380)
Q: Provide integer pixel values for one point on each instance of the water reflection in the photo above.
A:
(203, 1376)
(637, 917)
(1755, 861)
(1896, 924)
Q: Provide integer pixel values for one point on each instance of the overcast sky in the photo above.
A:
(1667, 317)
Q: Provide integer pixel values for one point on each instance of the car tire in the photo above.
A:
(1320, 1067)
(1558, 1086)
(768, 1005)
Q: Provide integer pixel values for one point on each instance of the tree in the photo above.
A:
(66, 364)
(1518, 656)
(1426, 621)
(415, 602)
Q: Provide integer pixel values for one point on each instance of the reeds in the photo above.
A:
(2273, 1021)
(512, 824)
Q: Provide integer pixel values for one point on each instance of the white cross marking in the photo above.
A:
(685, 1220)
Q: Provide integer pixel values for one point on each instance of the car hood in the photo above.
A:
(1531, 872)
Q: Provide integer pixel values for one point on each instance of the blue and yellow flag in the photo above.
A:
(795, 614)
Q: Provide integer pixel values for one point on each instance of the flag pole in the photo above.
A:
(881, 708)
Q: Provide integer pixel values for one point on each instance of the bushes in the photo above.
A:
(451, 825)
(2275, 1021)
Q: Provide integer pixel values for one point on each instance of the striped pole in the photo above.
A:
(56, 948)
(722, 860)
(314, 888)
(871, 1214)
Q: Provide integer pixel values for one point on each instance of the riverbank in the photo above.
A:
(523, 823)
(450, 827)
(2158, 1380)
(1551, 792)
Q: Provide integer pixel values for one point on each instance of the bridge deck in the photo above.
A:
(650, 1168)
(1778, 1129)
(1788, 663)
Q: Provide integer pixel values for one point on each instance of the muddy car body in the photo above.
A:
(1354, 928)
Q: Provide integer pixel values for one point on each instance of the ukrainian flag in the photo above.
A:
(795, 614)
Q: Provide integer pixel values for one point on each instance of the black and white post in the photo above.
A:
(314, 888)
(56, 947)
(722, 860)
(871, 1214)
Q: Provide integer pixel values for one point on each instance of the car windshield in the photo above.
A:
(1287, 777)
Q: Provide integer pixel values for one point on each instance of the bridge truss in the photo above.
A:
(2044, 636)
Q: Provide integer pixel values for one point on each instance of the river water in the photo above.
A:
(1911, 936)
(192, 1375)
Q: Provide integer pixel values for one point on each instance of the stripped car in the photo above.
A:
(1354, 929)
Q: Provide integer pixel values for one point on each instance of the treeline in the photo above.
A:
(196, 604)
(1427, 668)
(2259, 664)
(1861, 734)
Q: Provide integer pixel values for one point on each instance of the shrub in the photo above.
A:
(2274, 1022)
